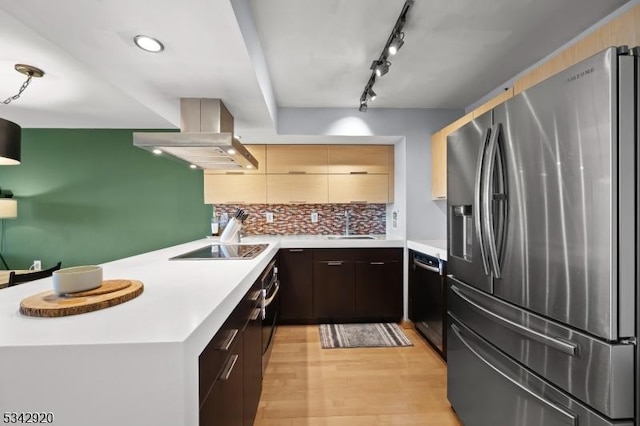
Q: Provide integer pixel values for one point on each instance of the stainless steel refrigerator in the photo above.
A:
(542, 232)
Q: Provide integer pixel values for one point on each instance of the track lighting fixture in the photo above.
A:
(396, 43)
(381, 66)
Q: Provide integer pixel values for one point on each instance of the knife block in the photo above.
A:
(231, 233)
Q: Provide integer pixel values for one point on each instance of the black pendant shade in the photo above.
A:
(9, 143)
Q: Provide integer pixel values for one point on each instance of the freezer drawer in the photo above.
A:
(595, 372)
(487, 388)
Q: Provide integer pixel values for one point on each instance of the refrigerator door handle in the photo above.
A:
(487, 199)
(571, 418)
(568, 348)
(477, 200)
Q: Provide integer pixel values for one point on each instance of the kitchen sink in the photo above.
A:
(350, 237)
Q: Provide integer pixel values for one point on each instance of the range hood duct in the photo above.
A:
(205, 139)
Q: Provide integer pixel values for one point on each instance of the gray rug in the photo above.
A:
(362, 336)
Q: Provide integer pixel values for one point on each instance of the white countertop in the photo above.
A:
(147, 346)
(430, 247)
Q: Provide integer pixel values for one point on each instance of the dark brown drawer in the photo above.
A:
(364, 254)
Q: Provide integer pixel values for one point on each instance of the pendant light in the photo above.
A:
(9, 143)
(9, 131)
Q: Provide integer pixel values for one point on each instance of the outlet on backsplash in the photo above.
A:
(314, 217)
(268, 217)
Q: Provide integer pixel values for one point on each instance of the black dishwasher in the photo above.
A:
(427, 298)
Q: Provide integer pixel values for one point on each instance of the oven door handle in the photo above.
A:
(266, 302)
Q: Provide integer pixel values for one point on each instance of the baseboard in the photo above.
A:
(407, 324)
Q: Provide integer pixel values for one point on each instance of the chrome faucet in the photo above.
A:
(346, 222)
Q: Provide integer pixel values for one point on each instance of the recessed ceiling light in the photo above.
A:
(231, 151)
(193, 166)
(249, 166)
(149, 44)
(157, 151)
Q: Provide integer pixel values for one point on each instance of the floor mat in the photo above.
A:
(362, 336)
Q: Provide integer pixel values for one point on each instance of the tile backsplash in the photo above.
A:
(296, 218)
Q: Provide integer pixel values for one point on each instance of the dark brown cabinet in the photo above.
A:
(252, 340)
(296, 285)
(230, 367)
(334, 290)
(341, 285)
(223, 406)
(379, 289)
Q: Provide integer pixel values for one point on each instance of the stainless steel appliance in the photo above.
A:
(270, 306)
(223, 251)
(427, 298)
(206, 138)
(542, 224)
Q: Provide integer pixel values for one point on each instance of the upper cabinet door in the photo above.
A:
(297, 159)
(438, 166)
(259, 152)
(359, 189)
(296, 189)
(235, 189)
(360, 159)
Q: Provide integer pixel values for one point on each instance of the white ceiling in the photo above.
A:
(317, 54)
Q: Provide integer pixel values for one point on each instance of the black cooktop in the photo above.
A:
(223, 251)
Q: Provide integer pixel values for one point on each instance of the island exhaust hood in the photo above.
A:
(205, 139)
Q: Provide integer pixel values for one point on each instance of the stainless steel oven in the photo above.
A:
(270, 304)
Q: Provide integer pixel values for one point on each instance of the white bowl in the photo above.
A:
(77, 278)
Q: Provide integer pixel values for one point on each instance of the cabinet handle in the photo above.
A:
(228, 368)
(358, 173)
(230, 338)
(233, 173)
(255, 296)
(295, 250)
(441, 197)
(376, 263)
(297, 172)
(335, 263)
(358, 202)
(255, 314)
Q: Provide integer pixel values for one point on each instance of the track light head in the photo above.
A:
(381, 67)
(396, 43)
(371, 95)
(363, 107)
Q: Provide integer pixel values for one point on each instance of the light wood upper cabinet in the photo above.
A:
(235, 189)
(622, 30)
(259, 152)
(438, 166)
(494, 102)
(297, 189)
(364, 188)
(297, 159)
(359, 159)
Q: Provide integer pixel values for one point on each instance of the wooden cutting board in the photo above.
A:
(110, 293)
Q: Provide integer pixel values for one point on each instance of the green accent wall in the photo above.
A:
(88, 196)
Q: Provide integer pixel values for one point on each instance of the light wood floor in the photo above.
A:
(307, 385)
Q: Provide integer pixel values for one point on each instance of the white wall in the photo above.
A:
(420, 217)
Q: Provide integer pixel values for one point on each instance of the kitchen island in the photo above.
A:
(134, 363)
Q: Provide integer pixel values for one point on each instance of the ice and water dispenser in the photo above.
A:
(461, 232)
